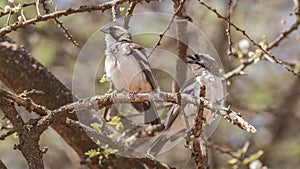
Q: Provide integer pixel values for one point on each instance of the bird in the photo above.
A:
(180, 119)
(127, 67)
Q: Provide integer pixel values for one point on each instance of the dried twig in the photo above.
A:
(168, 27)
(57, 14)
(128, 14)
(114, 13)
(8, 18)
(37, 8)
(99, 102)
(45, 6)
(66, 32)
(28, 135)
(23, 6)
(199, 150)
(30, 106)
(219, 148)
(274, 43)
(228, 31)
(59, 24)
(270, 57)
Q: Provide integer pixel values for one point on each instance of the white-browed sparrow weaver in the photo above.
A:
(180, 119)
(127, 67)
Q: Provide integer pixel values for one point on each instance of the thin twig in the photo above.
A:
(29, 4)
(168, 27)
(114, 13)
(9, 133)
(239, 70)
(60, 24)
(274, 43)
(199, 152)
(128, 14)
(283, 35)
(222, 150)
(66, 32)
(57, 14)
(228, 31)
(24, 102)
(23, 6)
(37, 8)
(270, 57)
(8, 18)
(45, 7)
(22, 15)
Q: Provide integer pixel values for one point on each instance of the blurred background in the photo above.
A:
(267, 95)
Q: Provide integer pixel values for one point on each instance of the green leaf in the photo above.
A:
(110, 151)
(103, 79)
(105, 146)
(110, 136)
(115, 121)
(122, 10)
(96, 126)
(92, 153)
(253, 157)
(232, 161)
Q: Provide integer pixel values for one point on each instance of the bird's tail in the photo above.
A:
(150, 113)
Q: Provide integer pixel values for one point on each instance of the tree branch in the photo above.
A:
(57, 14)
(28, 136)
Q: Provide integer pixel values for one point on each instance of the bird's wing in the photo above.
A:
(141, 57)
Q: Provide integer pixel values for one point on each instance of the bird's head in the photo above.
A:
(198, 60)
(115, 34)
(202, 61)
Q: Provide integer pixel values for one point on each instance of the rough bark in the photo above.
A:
(19, 71)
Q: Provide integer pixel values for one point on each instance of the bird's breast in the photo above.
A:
(123, 69)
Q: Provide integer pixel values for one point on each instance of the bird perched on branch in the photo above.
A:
(127, 67)
(180, 119)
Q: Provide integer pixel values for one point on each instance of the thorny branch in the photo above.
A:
(114, 13)
(66, 32)
(28, 135)
(128, 14)
(199, 150)
(231, 7)
(269, 56)
(57, 14)
(168, 27)
(24, 102)
(219, 148)
(274, 43)
(99, 102)
(13, 12)
(59, 24)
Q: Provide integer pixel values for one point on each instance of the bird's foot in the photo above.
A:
(133, 93)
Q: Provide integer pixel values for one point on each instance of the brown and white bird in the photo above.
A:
(127, 67)
(180, 119)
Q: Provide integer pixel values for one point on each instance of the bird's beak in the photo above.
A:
(104, 30)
